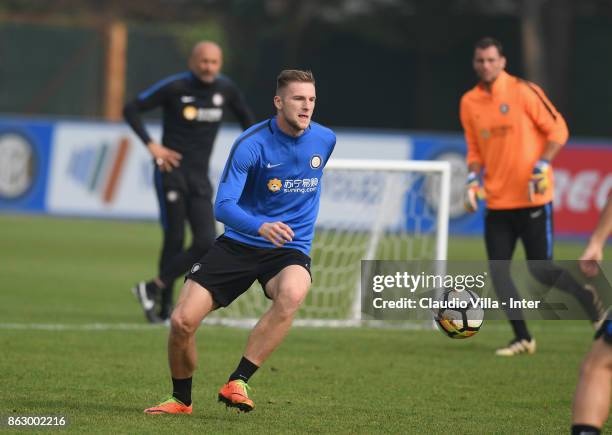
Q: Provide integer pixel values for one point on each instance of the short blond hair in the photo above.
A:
(293, 75)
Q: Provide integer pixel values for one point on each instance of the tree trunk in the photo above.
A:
(532, 41)
(116, 51)
(559, 37)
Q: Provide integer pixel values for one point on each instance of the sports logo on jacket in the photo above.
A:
(274, 185)
(190, 113)
(315, 161)
(217, 99)
(293, 185)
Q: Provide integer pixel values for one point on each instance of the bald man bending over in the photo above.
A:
(192, 103)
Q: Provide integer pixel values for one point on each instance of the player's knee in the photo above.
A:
(543, 272)
(588, 367)
(290, 299)
(181, 325)
(596, 364)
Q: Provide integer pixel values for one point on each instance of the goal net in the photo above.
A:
(370, 210)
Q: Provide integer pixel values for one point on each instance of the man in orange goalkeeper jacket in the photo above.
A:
(513, 132)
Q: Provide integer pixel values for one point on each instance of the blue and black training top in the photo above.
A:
(271, 176)
(192, 111)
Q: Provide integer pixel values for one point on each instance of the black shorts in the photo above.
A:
(605, 331)
(230, 267)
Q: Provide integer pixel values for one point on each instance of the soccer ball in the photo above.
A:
(459, 315)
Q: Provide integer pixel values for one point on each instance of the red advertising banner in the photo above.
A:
(583, 182)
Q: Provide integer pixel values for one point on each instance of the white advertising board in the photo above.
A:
(103, 170)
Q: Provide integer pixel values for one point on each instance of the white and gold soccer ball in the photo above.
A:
(460, 314)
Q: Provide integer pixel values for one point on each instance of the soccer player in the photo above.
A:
(513, 132)
(592, 397)
(268, 199)
(192, 105)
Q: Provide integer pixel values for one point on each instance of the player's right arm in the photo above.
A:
(593, 253)
(153, 97)
(550, 122)
(546, 117)
(474, 188)
(227, 211)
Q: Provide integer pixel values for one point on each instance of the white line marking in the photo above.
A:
(249, 323)
(80, 326)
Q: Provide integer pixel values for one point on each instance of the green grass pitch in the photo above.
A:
(73, 274)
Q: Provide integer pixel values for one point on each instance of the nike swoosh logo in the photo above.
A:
(535, 214)
(270, 166)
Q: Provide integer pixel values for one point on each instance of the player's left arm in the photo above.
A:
(332, 145)
(593, 253)
(156, 96)
(552, 124)
(239, 107)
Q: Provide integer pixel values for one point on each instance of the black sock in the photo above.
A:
(520, 330)
(585, 429)
(181, 389)
(152, 286)
(244, 371)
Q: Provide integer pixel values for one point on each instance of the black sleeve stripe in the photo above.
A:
(235, 147)
(535, 91)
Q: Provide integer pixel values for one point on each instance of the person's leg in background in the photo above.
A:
(199, 213)
(500, 239)
(537, 236)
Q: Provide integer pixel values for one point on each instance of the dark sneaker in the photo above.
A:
(597, 311)
(147, 294)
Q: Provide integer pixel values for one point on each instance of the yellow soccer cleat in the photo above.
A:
(170, 405)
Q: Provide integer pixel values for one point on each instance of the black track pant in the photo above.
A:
(534, 227)
(184, 196)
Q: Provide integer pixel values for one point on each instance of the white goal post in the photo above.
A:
(418, 166)
(369, 210)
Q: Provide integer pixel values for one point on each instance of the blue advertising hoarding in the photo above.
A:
(25, 148)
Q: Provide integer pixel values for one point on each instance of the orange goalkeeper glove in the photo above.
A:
(475, 192)
(540, 178)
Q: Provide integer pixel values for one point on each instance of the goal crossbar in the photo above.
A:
(411, 166)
